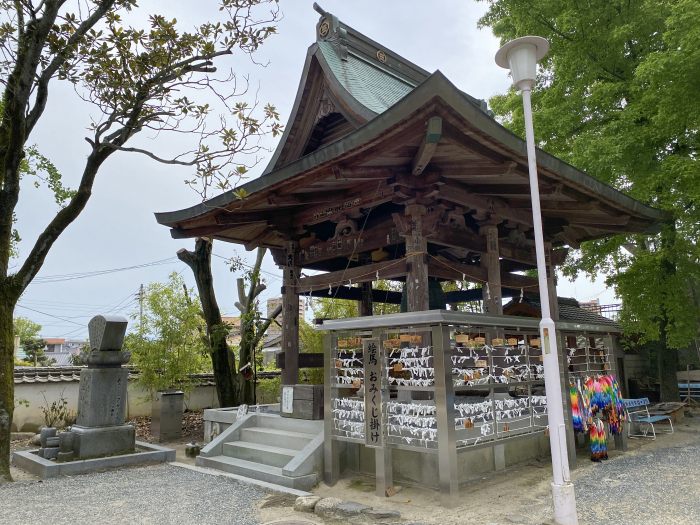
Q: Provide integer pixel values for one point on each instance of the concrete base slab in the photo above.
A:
(44, 469)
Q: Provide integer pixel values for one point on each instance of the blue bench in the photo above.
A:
(638, 415)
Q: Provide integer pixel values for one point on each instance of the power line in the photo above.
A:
(96, 273)
(50, 315)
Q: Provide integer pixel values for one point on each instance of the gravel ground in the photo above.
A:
(660, 487)
(146, 495)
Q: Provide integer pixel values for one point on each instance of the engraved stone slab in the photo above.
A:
(102, 397)
(107, 332)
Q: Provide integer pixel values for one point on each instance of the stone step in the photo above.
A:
(286, 423)
(259, 453)
(249, 469)
(276, 437)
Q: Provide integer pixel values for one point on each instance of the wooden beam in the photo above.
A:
(378, 236)
(352, 293)
(358, 274)
(453, 192)
(453, 271)
(310, 360)
(341, 204)
(433, 134)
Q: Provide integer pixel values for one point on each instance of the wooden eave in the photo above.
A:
(477, 160)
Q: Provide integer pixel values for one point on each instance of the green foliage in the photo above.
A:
(268, 391)
(617, 97)
(26, 329)
(34, 350)
(168, 346)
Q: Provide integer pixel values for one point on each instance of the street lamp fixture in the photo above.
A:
(521, 56)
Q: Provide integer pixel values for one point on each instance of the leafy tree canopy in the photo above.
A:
(169, 344)
(26, 329)
(617, 97)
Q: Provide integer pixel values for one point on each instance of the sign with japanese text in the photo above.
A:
(373, 393)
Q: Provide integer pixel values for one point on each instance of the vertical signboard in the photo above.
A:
(373, 394)
(287, 399)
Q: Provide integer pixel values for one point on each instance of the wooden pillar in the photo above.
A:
(490, 260)
(551, 282)
(364, 305)
(290, 312)
(494, 306)
(416, 260)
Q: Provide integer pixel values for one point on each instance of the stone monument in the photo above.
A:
(100, 429)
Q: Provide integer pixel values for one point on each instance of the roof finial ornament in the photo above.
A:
(320, 10)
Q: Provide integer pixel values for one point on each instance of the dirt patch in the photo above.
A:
(520, 495)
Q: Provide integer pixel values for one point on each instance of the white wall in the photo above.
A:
(29, 418)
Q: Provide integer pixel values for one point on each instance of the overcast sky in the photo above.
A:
(118, 230)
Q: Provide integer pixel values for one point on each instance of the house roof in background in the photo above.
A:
(569, 310)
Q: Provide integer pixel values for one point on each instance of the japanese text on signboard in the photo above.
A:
(373, 394)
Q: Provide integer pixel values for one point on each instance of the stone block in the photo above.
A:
(382, 514)
(106, 332)
(46, 433)
(107, 358)
(102, 397)
(348, 509)
(166, 415)
(65, 456)
(96, 442)
(49, 452)
(65, 441)
(306, 503)
(326, 507)
(51, 442)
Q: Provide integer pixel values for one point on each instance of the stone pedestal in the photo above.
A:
(93, 442)
(102, 397)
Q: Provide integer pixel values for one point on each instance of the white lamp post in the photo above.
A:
(521, 56)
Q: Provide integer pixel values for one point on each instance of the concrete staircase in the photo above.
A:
(271, 448)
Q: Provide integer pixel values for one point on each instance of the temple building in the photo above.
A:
(387, 171)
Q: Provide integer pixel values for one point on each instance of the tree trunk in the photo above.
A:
(666, 357)
(222, 359)
(667, 367)
(7, 362)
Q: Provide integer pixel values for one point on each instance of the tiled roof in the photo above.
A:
(374, 88)
(569, 310)
(24, 375)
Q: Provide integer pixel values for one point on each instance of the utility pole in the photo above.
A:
(140, 295)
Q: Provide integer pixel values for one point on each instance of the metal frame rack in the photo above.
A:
(443, 383)
(440, 382)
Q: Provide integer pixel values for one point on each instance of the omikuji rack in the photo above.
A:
(445, 382)
(439, 382)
